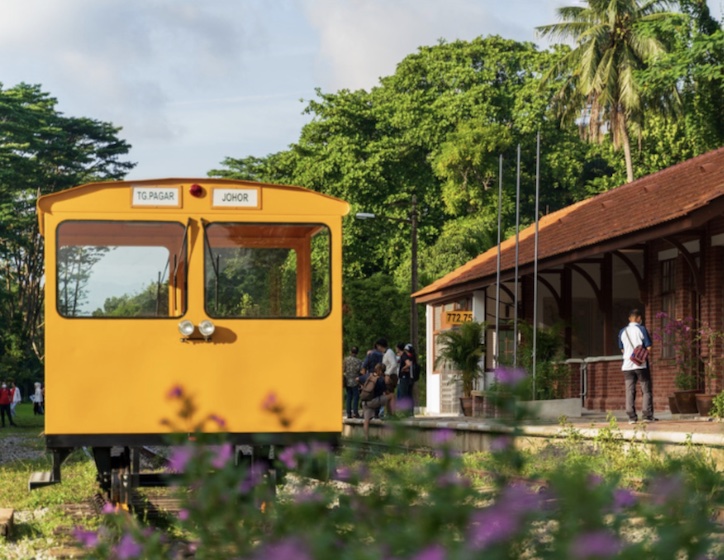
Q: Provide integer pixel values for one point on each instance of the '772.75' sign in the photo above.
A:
(458, 317)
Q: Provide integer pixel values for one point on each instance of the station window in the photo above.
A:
(121, 269)
(668, 306)
(267, 270)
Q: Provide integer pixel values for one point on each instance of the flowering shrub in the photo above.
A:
(681, 336)
(432, 510)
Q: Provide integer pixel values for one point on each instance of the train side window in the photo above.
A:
(121, 269)
(267, 270)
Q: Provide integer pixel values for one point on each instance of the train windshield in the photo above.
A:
(121, 269)
(267, 270)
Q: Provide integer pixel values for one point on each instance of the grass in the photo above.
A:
(40, 515)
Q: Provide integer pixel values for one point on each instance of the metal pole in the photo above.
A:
(496, 355)
(517, 238)
(535, 260)
(413, 274)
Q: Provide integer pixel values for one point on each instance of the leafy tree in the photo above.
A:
(152, 301)
(370, 311)
(41, 151)
(434, 129)
(75, 264)
(612, 40)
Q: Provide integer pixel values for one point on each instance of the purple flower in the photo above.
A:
(434, 552)
(510, 376)
(518, 499)
(301, 448)
(317, 447)
(128, 548)
(109, 508)
(270, 402)
(307, 496)
(404, 404)
(502, 443)
(442, 437)
(252, 479)
(289, 457)
(180, 456)
(88, 539)
(344, 474)
(492, 525)
(288, 549)
(222, 456)
(623, 499)
(220, 422)
(183, 514)
(596, 544)
(175, 392)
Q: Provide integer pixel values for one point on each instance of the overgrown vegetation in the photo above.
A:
(574, 497)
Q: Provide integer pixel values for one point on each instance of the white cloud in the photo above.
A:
(363, 40)
(194, 81)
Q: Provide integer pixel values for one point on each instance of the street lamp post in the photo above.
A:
(413, 273)
(412, 219)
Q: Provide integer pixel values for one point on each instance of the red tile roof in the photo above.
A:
(633, 209)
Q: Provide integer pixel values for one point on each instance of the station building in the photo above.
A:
(656, 243)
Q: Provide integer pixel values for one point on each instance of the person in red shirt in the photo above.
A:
(6, 397)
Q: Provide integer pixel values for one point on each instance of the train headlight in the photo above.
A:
(186, 328)
(206, 328)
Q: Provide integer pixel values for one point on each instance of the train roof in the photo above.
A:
(46, 202)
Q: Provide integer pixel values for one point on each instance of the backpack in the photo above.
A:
(416, 370)
(368, 389)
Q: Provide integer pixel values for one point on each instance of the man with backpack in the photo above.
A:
(373, 395)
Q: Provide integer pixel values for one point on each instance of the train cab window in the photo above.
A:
(267, 270)
(121, 269)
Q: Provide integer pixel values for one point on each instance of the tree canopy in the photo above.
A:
(41, 151)
(438, 125)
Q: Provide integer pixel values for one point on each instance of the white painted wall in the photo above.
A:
(433, 381)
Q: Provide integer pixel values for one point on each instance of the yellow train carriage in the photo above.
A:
(229, 291)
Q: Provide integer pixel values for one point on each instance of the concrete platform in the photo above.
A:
(480, 434)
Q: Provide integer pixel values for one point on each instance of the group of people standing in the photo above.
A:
(394, 371)
(10, 396)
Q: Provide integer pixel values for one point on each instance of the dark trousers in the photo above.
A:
(643, 376)
(352, 401)
(404, 395)
(5, 411)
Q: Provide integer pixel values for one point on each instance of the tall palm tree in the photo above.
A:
(611, 42)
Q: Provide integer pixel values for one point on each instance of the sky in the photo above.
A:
(192, 82)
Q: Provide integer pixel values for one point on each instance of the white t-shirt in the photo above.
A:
(389, 359)
(631, 336)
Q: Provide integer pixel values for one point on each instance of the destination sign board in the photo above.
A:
(156, 196)
(236, 198)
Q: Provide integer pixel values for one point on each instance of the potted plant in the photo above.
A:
(682, 337)
(461, 349)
